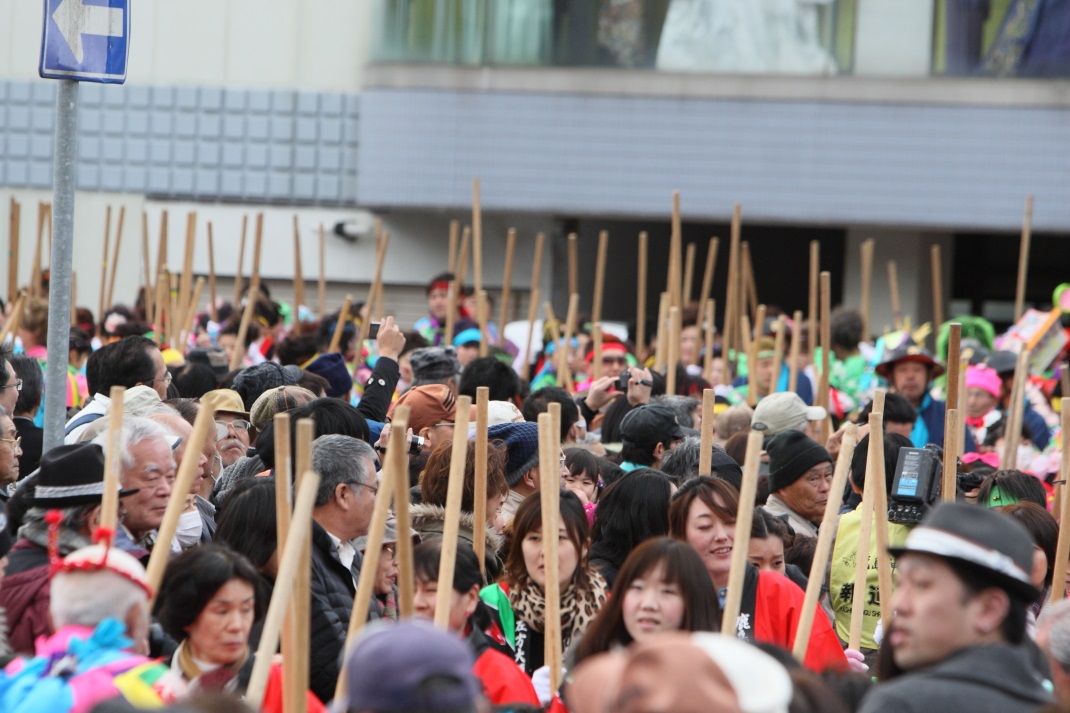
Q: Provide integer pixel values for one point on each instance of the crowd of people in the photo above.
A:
(645, 540)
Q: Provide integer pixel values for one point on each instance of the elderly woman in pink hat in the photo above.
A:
(982, 404)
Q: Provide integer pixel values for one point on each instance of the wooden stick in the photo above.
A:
(323, 274)
(880, 508)
(953, 356)
(283, 504)
(477, 238)
(457, 286)
(147, 267)
(455, 490)
(675, 254)
(550, 493)
(564, 373)
(109, 503)
(462, 258)
(596, 351)
(893, 287)
(299, 275)
(1023, 258)
(339, 326)
(1062, 551)
(711, 265)
(705, 454)
(104, 265)
(824, 544)
(778, 354)
(397, 463)
(173, 319)
(952, 448)
(213, 311)
(867, 286)
(745, 332)
(481, 317)
(241, 259)
(938, 288)
(707, 357)
(661, 348)
(375, 291)
(862, 551)
(533, 312)
(161, 302)
(14, 218)
(293, 558)
(302, 582)
(826, 348)
(455, 230)
(759, 323)
(735, 294)
(187, 472)
(752, 361)
(815, 271)
(741, 543)
(246, 319)
(748, 275)
(573, 264)
(187, 270)
(190, 310)
(48, 232)
(795, 351)
(1013, 433)
(479, 487)
(161, 245)
(673, 350)
(10, 326)
(640, 292)
(689, 273)
(507, 279)
(533, 304)
(599, 276)
(74, 298)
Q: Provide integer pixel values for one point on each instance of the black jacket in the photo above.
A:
(332, 593)
(979, 679)
(379, 390)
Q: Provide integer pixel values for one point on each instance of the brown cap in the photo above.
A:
(430, 404)
(670, 673)
(225, 401)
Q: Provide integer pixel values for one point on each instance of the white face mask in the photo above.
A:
(188, 532)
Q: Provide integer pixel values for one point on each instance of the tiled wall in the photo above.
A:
(202, 143)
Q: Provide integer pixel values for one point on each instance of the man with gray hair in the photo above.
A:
(148, 468)
(1053, 638)
(342, 513)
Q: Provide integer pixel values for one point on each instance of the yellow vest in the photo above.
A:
(842, 575)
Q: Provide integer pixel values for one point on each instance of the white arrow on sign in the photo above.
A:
(74, 19)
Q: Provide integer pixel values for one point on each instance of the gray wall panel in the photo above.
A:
(791, 161)
(204, 143)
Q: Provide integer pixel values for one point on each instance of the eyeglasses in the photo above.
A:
(221, 427)
(15, 442)
(373, 488)
(166, 378)
(17, 385)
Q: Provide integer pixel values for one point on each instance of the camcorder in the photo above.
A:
(916, 485)
(625, 377)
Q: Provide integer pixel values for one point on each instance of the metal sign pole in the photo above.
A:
(59, 288)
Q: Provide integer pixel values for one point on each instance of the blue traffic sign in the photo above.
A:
(87, 41)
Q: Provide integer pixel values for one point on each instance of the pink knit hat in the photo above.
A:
(983, 377)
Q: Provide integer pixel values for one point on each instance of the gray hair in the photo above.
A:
(681, 463)
(135, 430)
(338, 460)
(681, 406)
(88, 598)
(1057, 618)
(732, 420)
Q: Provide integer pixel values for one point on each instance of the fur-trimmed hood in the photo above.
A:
(431, 520)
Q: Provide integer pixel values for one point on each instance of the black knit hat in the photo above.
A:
(72, 475)
(792, 453)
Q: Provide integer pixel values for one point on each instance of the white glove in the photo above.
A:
(540, 681)
(855, 660)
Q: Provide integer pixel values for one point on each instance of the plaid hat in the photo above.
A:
(332, 367)
(215, 358)
(521, 442)
(256, 379)
(431, 365)
(784, 411)
(225, 401)
(277, 400)
(986, 541)
(430, 404)
(648, 425)
(792, 453)
(71, 475)
(390, 664)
